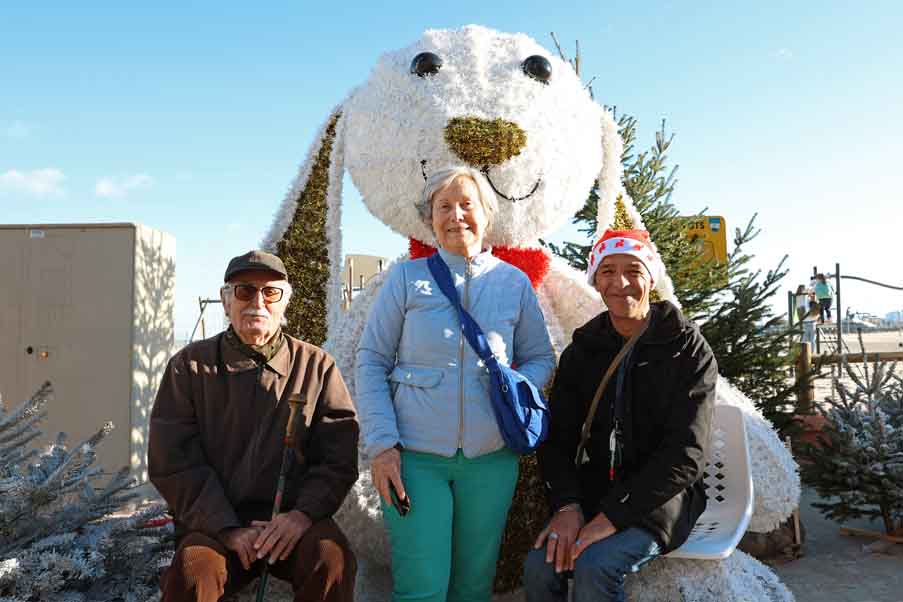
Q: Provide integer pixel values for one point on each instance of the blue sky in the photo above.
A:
(193, 117)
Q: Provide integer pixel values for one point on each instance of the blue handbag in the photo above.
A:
(520, 410)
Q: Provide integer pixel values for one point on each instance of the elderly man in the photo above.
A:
(635, 488)
(216, 443)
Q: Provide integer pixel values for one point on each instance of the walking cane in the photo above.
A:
(288, 450)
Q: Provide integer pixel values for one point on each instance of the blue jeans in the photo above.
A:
(809, 335)
(599, 570)
(824, 307)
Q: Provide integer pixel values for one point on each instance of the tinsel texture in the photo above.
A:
(532, 262)
(303, 248)
(481, 142)
(480, 109)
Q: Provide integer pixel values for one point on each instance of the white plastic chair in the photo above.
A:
(729, 485)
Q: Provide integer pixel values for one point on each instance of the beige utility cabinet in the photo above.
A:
(88, 307)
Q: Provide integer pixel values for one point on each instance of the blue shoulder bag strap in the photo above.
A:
(472, 331)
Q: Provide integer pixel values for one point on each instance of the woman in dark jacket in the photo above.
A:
(637, 491)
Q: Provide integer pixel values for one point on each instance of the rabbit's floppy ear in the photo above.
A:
(616, 209)
(609, 179)
(307, 235)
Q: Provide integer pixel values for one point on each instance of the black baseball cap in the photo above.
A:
(255, 260)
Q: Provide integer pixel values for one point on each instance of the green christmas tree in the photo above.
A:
(730, 301)
(650, 183)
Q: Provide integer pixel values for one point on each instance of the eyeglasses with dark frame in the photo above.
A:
(247, 292)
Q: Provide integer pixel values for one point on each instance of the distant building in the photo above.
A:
(895, 316)
(359, 269)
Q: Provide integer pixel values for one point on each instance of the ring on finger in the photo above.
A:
(553, 535)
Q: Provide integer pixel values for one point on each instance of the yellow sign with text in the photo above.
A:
(709, 234)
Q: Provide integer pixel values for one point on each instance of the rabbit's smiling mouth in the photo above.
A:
(485, 170)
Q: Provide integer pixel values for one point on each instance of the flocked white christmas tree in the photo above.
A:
(857, 465)
(59, 538)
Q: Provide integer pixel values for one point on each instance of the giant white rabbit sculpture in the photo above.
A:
(503, 103)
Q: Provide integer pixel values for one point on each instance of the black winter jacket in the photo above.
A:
(668, 401)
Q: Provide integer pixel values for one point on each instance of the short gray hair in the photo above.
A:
(442, 178)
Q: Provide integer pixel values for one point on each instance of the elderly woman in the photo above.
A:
(422, 393)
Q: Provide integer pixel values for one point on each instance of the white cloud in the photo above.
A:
(18, 130)
(119, 187)
(784, 53)
(46, 182)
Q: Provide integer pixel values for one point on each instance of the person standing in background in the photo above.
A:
(809, 321)
(824, 292)
(801, 299)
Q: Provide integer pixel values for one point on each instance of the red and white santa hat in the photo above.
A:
(626, 242)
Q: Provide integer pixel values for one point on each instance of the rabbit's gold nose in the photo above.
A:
(483, 143)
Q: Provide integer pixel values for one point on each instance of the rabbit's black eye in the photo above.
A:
(426, 63)
(539, 68)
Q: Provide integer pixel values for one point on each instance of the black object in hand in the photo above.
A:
(402, 505)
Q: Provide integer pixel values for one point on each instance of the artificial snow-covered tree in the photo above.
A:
(857, 464)
(59, 538)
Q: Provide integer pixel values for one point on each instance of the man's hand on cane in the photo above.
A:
(279, 536)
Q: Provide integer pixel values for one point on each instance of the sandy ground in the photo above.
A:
(873, 341)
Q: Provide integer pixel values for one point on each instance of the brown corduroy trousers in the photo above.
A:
(321, 568)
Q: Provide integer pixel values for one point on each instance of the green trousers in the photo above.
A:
(445, 549)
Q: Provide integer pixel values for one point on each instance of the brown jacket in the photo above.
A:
(216, 435)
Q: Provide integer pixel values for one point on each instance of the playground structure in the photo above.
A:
(831, 336)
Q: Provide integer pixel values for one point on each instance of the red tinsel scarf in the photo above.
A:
(533, 262)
